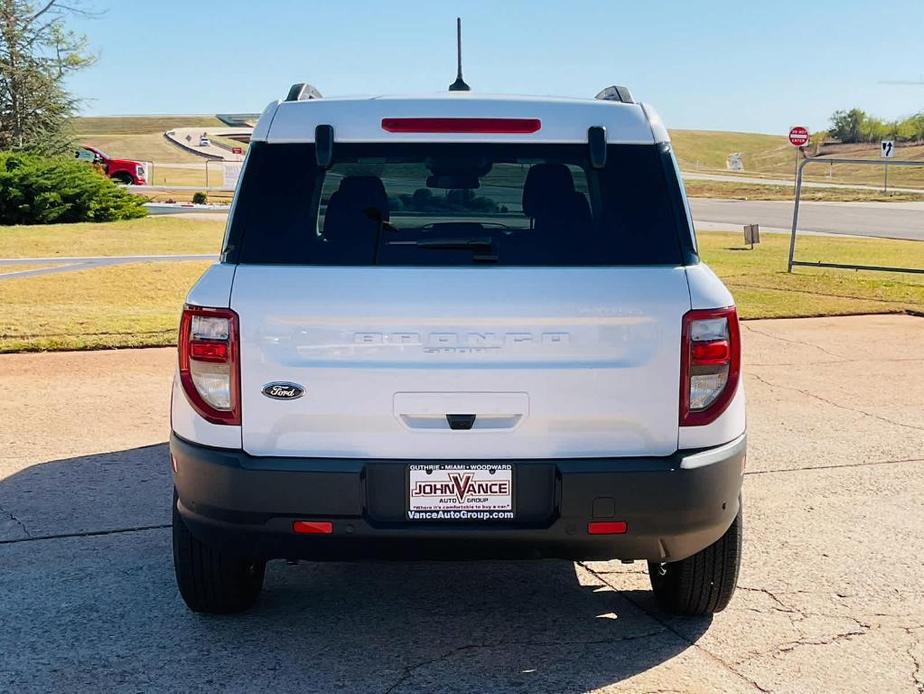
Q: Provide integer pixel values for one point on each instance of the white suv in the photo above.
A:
(459, 326)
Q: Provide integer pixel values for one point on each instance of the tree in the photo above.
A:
(846, 125)
(37, 53)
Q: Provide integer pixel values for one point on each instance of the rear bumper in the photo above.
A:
(673, 506)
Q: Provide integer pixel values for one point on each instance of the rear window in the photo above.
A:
(458, 204)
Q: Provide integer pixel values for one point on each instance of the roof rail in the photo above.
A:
(301, 91)
(616, 93)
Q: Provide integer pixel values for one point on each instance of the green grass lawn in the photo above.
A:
(122, 306)
(7, 268)
(137, 305)
(730, 190)
(164, 235)
(763, 289)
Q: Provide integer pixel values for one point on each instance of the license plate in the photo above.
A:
(460, 492)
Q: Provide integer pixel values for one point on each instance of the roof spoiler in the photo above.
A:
(616, 93)
(302, 91)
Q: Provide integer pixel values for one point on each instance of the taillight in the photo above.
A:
(710, 364)
(209, 365)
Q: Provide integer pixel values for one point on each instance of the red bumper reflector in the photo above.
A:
(607, 528)
(312, 527)
(519, 126)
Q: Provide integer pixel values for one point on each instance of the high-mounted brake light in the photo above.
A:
(508, 126)
(710, 364)
(209, 365)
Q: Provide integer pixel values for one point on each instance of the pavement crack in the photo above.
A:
(17, 521)
(668, 627)
(790, 646)
(792, 341)
(408, 671)
(89, 533)
(865, 463)
(778, 604)
(917, 675)
(835, 404)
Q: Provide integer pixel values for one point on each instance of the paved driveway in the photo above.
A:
(831, 596)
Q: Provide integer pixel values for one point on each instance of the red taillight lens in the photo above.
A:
(208, 363)
(511, 126)
(208, 351)
(710, 364)
(717, 352)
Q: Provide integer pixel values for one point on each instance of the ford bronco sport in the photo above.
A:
(458, 326)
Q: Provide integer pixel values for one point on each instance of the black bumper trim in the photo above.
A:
(674, 506)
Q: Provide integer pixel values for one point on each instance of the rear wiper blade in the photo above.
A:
(448, 244)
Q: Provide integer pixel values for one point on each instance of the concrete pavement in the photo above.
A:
(829, 599)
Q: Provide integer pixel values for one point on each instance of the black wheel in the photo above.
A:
(704, 583)
(210, 580)
(123, 178)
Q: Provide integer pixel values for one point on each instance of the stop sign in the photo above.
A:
(798, 136)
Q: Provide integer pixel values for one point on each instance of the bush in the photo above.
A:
(49, 190)
(200, 198)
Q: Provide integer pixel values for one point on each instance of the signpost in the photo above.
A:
(886, 151)
(798, 137)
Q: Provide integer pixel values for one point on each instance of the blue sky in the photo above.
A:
(719, 65)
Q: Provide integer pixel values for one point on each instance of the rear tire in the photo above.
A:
(210, 580)
(704, 583)
(123, 178)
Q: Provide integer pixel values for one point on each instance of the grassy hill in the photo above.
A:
(707, 150)
(768, 156)
(771, 156)
(140, 137)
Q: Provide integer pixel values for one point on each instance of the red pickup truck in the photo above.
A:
(125, 171)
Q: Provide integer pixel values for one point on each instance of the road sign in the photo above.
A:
(798, 136)
(887, 149)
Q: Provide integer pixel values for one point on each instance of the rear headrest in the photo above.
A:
(546, 185)
(361, 192)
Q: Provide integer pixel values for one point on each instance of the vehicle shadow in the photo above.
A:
(87, 594)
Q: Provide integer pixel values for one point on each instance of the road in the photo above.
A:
(829, 596)
(900, 220)
(188, 139)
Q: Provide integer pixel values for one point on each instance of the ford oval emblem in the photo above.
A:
(283, 390)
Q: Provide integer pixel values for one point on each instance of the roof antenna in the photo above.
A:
(459, 85)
